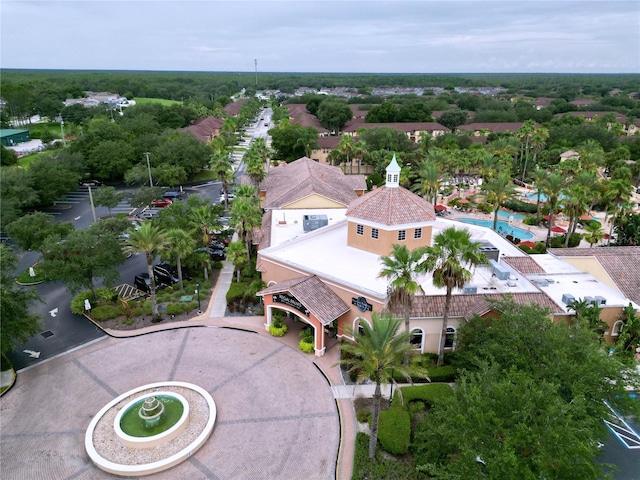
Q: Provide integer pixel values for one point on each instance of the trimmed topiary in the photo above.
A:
(394, 431)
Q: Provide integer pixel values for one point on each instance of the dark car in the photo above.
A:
(217, 245)
(142, 282)
(216, 254)
(172, 195)
(165, 274)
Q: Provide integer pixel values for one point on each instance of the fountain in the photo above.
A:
(176, 416)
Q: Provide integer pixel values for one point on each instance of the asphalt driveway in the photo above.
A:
(277, 417)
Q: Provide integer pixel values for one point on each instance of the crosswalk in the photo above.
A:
(621, 429)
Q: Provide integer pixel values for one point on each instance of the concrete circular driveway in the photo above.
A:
(277, 417)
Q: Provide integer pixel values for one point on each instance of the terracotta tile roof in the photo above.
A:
(391, 206)
(356, 123)
(329, 142)
(622, 264)
(493, 127)
(265, 231)
(465, 306)
(288, 183)
(299, 114)
(618, 117)
(524, 265)
(319, 299)
(205, 129)
(234, 108)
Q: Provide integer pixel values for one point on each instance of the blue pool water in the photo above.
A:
(503, 228)
(505, 214)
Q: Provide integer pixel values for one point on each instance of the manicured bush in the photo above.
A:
(105, 312)
(394, 431)
(530, 220)
(306, 347)
(520, 206)
(558, 242)
(445, 373)
(430, 393)
(175, 309)
(277, 327)
(382, 467)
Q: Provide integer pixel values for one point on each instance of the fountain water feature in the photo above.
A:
(180, 418)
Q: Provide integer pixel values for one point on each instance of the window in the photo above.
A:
(360, 229)
(417, 233)
(374, 233)
(416, 339)
(402, 235)
(450, 338)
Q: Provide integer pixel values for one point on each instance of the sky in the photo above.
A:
(373, 36)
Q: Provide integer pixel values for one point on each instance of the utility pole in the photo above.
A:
(64, 142)
(256, 62)
(149, 168)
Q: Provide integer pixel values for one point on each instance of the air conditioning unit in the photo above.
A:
(469, 289)
(499, 271)
(313, 222)
(541, 282)
(590, 300)
(600, 300)
(567, 298)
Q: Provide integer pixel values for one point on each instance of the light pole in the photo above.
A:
(149, 168)
(198, 292)
(93, 208)
(391, 393)
(64, 142)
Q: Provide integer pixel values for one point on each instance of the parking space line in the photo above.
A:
(624, 432)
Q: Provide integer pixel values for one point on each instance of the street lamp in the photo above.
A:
(198, 292)
(391, 393)
(64, 142)
(149, 168)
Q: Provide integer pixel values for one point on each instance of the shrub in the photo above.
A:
(105, 312)
(446, 373)
(382, 466)
(175, 309)
(277, 327)
(558, 242)
(530, 220)
(363, 415)
(306, 347)
(430, 393)
(520, 206)
(394, 431)
(77, 302)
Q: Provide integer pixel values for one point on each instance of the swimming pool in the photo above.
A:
(504, 228)
(505, 214)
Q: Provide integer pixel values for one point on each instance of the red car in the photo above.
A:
(163, 202)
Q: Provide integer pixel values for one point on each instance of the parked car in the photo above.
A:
(217, 245)
(149, 214)
(165, 274)
(89, 183)
(172, 195)
(142, 282)
(161, 202)
(216, 254)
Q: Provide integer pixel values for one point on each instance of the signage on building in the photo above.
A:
(291, 301)
(362, 304)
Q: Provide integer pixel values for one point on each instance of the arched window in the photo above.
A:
(450, 338)
(417, 336)
(617, 328)
(357, 325)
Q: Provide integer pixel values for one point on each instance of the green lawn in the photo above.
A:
(166, 103)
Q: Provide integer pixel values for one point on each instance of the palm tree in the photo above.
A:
(221, 165)
(378, 353)
(538, 177)
(204, 220)
(552, 186)
(346, 147)
(237, 255)
(150, 240)
(181, 245)
(246, 215)
(500, 190)
(359, 151)
(429, 181)
(451, 258)
(593, 233)
(525, 134)
(402, 268)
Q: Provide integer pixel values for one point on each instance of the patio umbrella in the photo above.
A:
(586, 217)
(557, 229)
(528, 243)
(546, 217)
(440, 208)
(463, 200)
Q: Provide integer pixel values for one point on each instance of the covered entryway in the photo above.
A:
(310, 301)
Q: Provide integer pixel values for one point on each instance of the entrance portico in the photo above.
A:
(310, 300)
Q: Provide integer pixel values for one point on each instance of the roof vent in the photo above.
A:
(541, 282)
(469, 289)
(313, 222)
(567, 298)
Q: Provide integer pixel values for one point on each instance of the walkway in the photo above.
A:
(275, 412)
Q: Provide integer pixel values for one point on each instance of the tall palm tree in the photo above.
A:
(525, 134)
(378, 354)
(402, 269)
(346, 147)
(552, 186)
(246, 215)
(593, 233)
(204, 219)
(223, 169)
(150, 240)
(538, 177)
(181, 244)
(451, 258)
(429, 181)
(500, 189)
(237, 255)
(359, 152)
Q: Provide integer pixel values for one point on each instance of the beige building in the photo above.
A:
(327, 274)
